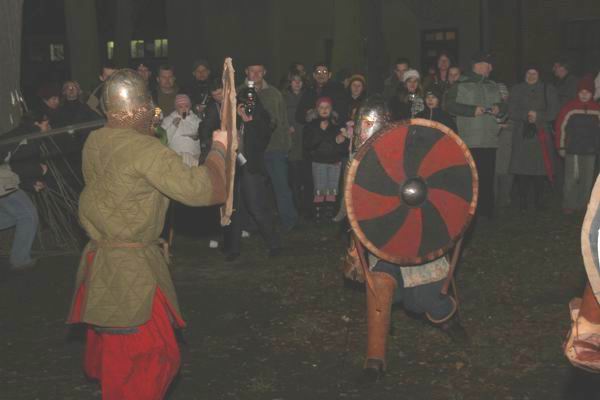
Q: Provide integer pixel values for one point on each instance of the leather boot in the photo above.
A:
(379, 308)
(452, 327)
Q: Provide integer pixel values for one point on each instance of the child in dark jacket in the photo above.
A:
(578, 141)
(434, 112)
(326, 146)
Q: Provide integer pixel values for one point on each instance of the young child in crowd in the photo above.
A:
(325, 144)
(434, 112)
(578, 141)
(182, 130)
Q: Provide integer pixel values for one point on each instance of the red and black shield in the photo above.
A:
(411, 192)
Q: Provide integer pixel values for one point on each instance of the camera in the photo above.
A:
(488, 110)
(247, 97)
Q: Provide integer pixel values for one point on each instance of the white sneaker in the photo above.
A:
(245, 234)
(213, 244)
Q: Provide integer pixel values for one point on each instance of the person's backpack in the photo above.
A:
(9, 181)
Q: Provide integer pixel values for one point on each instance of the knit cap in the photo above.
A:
(410, 74)
(586, 83)
(182, 99)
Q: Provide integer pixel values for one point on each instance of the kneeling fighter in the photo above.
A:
(411, 191)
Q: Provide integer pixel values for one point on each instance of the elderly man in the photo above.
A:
(476, 102)
(124, 292)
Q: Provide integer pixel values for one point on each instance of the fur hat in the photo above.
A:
(411, 74)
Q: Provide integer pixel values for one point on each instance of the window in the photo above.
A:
(161, 48)
(137, 49)
(57, 52)
(433, 42)
(110, 49)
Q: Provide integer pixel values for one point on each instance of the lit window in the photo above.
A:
(57, 52)
(450, 35)
(161, 48)
(137, 49)
(110, 49)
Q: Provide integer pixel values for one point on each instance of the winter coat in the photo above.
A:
(462, 100)
(438, 115)
(391, 86)
(577, 128)
(566, 88)
(402, 106)
(334, 90)
(128, 177)
(182, 134)
(25, 158)
(210, 123)
(320, 145)
(198, 91)
(527, 153)
(292, 101)
(273, 101)
(255, 137)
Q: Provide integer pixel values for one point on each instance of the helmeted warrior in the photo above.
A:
(124, 292)
(416, 286)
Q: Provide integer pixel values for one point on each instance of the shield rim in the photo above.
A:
(350, 177)
(587, 248)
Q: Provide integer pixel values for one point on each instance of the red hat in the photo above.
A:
(586, 83)
(324, 99)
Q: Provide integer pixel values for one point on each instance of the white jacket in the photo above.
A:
(183, 136)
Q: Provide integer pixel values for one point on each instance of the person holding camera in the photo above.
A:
(476, 102)
(532, 107)
(255, 128)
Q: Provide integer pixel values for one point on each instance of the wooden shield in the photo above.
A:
(589, 240)
(411, 192)
(228, 123)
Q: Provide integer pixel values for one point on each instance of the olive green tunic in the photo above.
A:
(128, 177)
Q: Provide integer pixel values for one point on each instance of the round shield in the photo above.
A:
(411, 192)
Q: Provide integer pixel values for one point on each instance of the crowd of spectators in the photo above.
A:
(296, 140)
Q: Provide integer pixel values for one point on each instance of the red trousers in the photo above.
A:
(136, 366)
(132, 366)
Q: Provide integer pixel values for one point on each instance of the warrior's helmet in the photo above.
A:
(127, 102)
(372, 117)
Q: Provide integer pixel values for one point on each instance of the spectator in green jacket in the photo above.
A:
(476, 102)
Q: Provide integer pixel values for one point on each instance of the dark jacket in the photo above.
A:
(578, 128)
(210, 123)
(320, 145)
(25, 160)
(255, 136)
(438, 115)
(333, 90)
(199, 92)
(566, 88)
(73, 112)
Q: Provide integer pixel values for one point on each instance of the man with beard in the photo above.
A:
(124, 292)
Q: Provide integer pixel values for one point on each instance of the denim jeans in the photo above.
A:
(418, 299)
(16, 209)
(276, 163)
